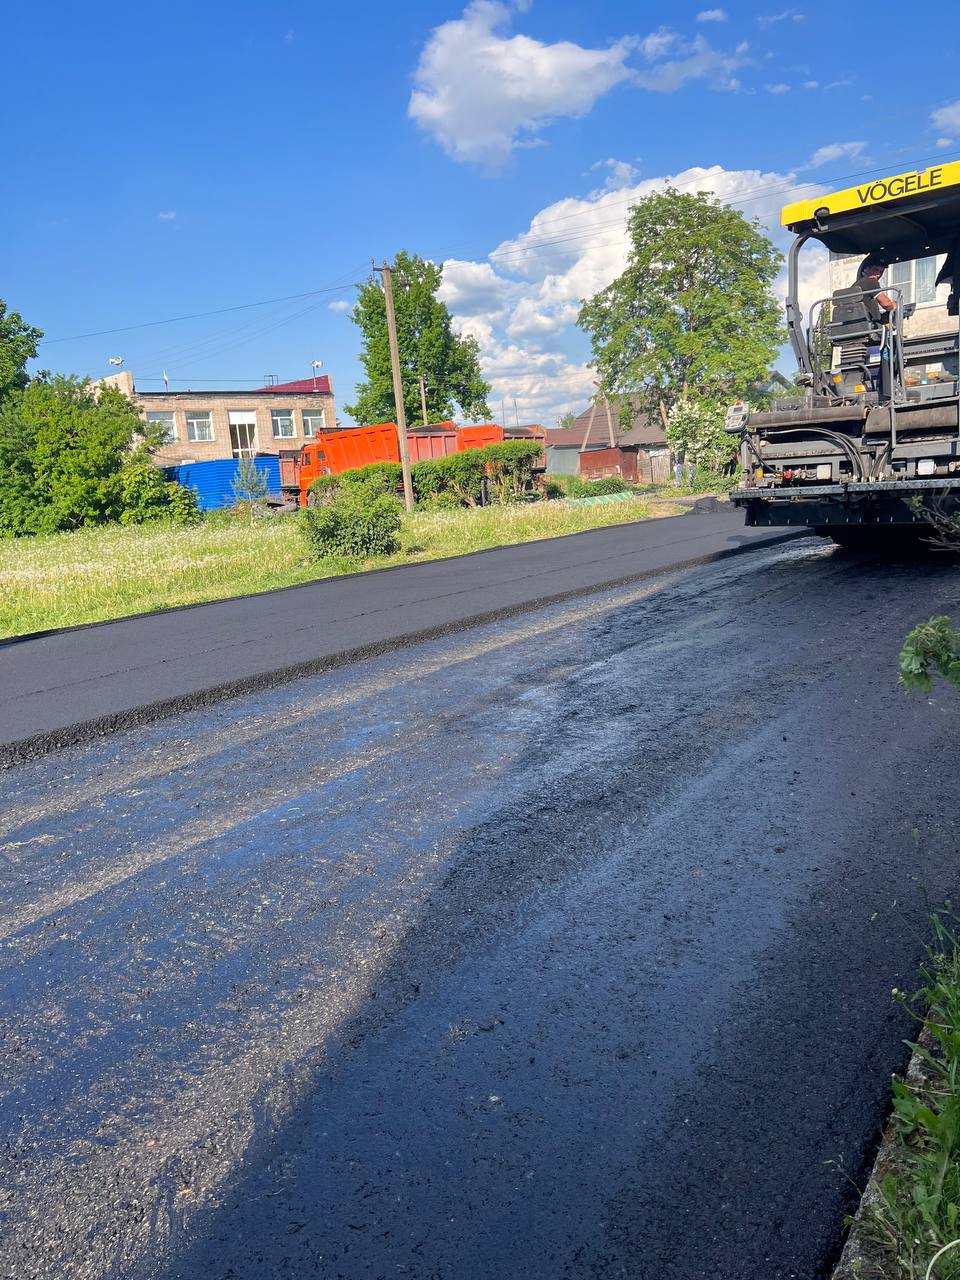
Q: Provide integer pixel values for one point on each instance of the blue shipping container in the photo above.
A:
(213, 480)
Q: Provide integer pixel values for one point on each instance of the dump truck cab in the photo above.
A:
(876, 418)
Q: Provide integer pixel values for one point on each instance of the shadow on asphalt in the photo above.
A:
(576, 1065)
(645, 1003)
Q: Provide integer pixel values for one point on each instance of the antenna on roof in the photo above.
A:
(315, 365)
(270, 379)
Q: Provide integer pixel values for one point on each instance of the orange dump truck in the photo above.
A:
(331, 453)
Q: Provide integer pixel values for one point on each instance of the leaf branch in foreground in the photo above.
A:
(931, 648)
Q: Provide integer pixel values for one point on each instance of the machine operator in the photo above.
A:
(868, 280)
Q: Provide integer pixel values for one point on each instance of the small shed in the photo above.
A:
(596, 446)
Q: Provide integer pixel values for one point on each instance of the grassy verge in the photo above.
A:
(63, 579)
(912, 1209)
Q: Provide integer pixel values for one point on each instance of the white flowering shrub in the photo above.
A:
(695, 431)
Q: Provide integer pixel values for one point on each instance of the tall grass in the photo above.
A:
(67, 578)
(911, 1213)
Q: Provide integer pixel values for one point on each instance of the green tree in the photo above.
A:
(693, 314)
(18, 344)
(429, 346)
(70, 457)
(566, 420)
(250, 487)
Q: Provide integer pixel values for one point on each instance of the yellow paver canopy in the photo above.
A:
(908, 215)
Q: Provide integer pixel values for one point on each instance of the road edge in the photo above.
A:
(857, 1259)
(47, 632)
(34, 746)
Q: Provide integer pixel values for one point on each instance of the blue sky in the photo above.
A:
(168, 159)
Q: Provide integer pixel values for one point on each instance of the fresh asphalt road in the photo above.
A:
(55, 688)
(560, 947)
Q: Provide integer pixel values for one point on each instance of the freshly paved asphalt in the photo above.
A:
(67, 686)
(558, 948)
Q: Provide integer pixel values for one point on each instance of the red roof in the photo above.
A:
(304, 386)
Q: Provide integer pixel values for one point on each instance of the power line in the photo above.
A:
(198, 315)
(215, 346)
(255, 382)
(745, 197)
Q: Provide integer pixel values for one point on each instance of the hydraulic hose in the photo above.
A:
(844, 445)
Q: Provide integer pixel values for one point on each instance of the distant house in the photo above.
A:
(204, 426)
(595, 446)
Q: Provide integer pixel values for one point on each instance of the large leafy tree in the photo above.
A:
(429, 346)
(72, 457)
(693, 317)
(18, 344)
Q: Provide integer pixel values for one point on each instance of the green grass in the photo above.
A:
(913, 1209)
(62, 579)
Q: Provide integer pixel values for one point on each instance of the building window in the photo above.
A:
(243, 432)
(282, 420)
(163, 420)
(916, 279)
(199, 426)
(312, 422)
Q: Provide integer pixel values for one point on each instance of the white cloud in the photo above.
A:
(340, 305)
(522, 302)
(835, 151)
(944, 142)
(692, 60)
(289, 37)
(482, 92)
(658, 43)
(620, 174)
(947, 118)
(811, 84)
(167, 215)
(474, 289)
(777, 88)
(712, 15)
(785, 15)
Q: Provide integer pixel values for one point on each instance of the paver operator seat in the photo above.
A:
(856, 325)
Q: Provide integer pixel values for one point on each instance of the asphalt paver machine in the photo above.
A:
(874, 432)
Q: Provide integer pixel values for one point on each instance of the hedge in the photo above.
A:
(456, 480)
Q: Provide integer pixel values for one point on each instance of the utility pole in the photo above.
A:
(387, 271)
(423, 400)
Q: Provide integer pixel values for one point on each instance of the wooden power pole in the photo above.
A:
(387, 273)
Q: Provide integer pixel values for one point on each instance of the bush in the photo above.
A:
(604, 484)
(146, 496)
(183, 504)
(71, 458)
(378, 480)
(455, 480)
(460, 475)
(571, 486)
(350, 526)
(510, 467)
(143, 492)
(445, 500)
(695, 432)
